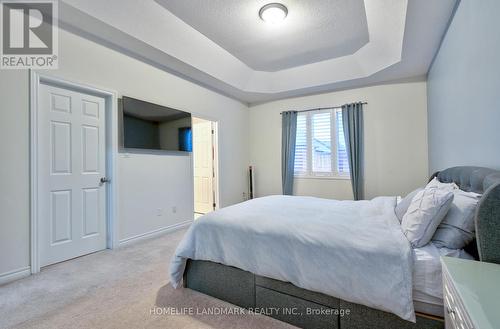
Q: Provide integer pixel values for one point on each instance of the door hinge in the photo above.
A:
(214, 205)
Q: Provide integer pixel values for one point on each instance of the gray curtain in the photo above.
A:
(288, 136)
(352, 118)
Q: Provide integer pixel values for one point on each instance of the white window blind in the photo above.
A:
(342, 160)
(301, 145)
(320, 149)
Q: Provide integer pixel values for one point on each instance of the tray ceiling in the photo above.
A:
(323, 45)
(313, 31)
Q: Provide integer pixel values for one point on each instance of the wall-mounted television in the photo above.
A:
(149, 126)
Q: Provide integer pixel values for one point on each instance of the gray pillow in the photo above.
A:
(426, 211)
(403, 205)
(457, 228)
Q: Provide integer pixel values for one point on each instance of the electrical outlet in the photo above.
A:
(159, 212)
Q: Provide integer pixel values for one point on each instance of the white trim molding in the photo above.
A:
(154, 233)
(15, 275)
(111, 159)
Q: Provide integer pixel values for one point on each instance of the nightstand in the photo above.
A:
(471, 293)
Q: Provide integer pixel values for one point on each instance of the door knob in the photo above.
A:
(104, 180)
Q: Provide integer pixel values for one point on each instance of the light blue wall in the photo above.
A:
(464, 90)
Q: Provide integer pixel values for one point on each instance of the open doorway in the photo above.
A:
(205, 166)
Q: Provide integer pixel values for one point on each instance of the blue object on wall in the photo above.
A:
(185, 139)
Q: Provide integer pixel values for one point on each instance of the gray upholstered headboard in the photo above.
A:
(487, 182)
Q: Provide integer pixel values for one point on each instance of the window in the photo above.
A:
(320, 149)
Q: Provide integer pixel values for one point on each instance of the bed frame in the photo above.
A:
(291, 304)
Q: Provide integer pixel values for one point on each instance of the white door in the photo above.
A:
(71, 162)
(203, 160)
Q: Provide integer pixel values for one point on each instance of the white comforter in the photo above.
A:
(353, 250)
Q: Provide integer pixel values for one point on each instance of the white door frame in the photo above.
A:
(215, 127)
(215, 136)
(111, 155)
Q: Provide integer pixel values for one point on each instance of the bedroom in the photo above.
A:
(406, 89)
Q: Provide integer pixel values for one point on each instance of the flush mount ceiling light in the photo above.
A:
(273, 13)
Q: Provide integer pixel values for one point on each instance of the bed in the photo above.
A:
(294, 290)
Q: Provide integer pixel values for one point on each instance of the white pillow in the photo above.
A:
(426, 211)
(458, 227)
(402, 206)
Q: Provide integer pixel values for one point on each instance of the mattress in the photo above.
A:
(427, 279)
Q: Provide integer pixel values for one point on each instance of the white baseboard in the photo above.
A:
(154, 233)
(15, 275)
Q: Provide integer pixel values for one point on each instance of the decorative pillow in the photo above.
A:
(458, 227)
(426, 211)
(403, 205)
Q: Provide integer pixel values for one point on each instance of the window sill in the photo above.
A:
(324, 177)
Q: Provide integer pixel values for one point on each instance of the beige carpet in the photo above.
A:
(116, 289)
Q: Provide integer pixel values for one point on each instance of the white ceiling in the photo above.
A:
(313, 31)
(322, 45)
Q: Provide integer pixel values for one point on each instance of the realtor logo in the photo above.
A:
(29, 37)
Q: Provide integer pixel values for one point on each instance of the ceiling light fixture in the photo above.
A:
(273, 13)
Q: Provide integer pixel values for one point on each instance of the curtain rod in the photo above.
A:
(323, 108)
